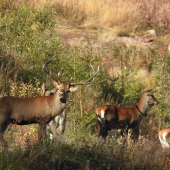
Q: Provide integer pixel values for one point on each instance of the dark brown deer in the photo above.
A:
(58, 121)
(40, 110)
(112, 117)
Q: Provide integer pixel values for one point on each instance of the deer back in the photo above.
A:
(109, 112)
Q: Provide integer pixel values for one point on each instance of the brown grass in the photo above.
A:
(110, 13)
(94, 14)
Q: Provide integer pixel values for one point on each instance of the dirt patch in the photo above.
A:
(78, 38)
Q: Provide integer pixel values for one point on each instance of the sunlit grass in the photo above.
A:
(135, 16)
(93, 152)
(32, 32)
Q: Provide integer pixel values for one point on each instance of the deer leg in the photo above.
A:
(54, 125)
(118, 133)
(54, 134)
(63, 124)
(103, 131)
(62, 128)
(136, 134)
(42, 131)
(2, 130)
(130, 134)
(126, 134)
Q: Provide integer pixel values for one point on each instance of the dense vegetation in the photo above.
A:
(79, 33)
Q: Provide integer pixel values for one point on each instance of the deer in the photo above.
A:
(37, 110)
(58, 121)
(164, 137)
(125, 118)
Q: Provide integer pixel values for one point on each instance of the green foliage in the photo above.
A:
(25, 90)
(162, 71)
(27, 40)
(124, 84)
(29, 33)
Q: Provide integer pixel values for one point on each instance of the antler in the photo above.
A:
(89, 81)
(48, 72)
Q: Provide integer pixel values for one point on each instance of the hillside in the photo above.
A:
(127, 39)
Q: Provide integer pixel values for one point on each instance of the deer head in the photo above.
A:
(150, 99)
(63, 89)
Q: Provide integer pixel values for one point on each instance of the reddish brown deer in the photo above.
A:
(164, 137)
(40, 110)
(58, 121)
(112, 117)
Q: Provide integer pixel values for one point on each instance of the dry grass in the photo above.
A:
(95, 14)
(106, 21)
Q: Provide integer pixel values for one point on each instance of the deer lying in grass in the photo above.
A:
(58, 121)
(164, 137)
(40, 110)
(112, 117)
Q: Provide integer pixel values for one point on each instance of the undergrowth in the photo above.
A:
(93, 154)
(28, 38)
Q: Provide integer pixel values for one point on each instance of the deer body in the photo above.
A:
(24, 111)
(112, 117)
(32, 113)
(164, 137)
(41, 110)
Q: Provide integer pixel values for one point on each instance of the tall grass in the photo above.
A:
(93, 154)
(135, 16)
(28, 38)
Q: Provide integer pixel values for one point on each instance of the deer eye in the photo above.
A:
(60, 94)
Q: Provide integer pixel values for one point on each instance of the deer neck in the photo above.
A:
(142, 106)
(58, 105)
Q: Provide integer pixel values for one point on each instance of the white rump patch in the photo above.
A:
(163, 142)
(102, 114)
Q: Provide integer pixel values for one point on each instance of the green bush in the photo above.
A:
(28, 39)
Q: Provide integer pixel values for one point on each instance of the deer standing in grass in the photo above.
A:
(164, 137)
(40, 110)
(58, 121)
(112, 117)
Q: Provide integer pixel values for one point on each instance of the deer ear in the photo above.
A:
(47, 93)
(43, 87)
(73, 88)
(151, 92)
(56, 84)
(53, 90)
